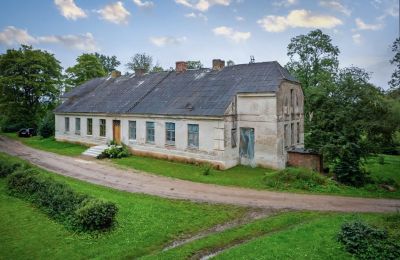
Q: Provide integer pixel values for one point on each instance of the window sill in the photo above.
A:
(170, 145)
(192, 148)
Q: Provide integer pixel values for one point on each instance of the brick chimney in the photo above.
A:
(181, 66)
(139, 71)
(115, 74)
(218, 64)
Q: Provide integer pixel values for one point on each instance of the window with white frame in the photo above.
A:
(77, 126)
(102, 127)
(193, 135)
(170, 133)
(132, 130)
(66, 124)
(89, 126)
(150, 132)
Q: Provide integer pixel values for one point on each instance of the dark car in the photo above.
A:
(26, 132)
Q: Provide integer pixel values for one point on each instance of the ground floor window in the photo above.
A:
(89, 124)
(77, 126)
(170, 133)
(234, 137)
(102, 125)
(150, 132)
(286, 135)
(132, 130)
(66, 124)
(298, 132)
(193, 135)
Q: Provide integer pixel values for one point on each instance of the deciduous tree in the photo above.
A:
(87, 67)
(29, 85)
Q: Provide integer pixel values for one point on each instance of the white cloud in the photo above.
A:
(15, 36)
(231, 34)
(69, 9)
(143, 4)
(83, 42)
(11, 36)
(336, 5)
(356, 38)
(115, 13)
(361, 25)
(202, 5)
(167, 40)
(239, 18)
(196, 15)
(298, 18)
(285, 3)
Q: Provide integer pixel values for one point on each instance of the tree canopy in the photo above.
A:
(346, 117)
(29, 85)
(194, 64)
(140, 61)
(87, 67)
(109, 63)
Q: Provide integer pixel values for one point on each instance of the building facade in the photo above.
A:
(248, 114)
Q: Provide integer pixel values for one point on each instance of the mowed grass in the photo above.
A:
(50, 145)
(239, 176)
(316, 239)
(145, 223)
(288, 235)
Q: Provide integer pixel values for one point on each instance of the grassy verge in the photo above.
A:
(291, 235)
(50, 145)
(239, 176)
(314, 240)
(145, 224)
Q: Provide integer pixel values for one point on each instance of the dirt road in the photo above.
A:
(140, 182)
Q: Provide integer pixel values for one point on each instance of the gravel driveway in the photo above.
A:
(140, 182)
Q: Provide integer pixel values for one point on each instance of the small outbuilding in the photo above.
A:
(248, 114)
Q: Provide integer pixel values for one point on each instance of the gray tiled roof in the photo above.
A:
(202, 92)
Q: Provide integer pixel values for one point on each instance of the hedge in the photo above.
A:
(8, 166)
(75, 210)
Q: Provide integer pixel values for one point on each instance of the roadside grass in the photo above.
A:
(314, 240)
(144, 224)
(288, 235)
(50, 145)
(239, 176)
(389, 169)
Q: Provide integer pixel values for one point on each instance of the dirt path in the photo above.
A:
(140, 182)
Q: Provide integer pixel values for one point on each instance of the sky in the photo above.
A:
(174, 30)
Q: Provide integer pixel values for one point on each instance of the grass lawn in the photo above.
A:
(291, 235)
(145, 224)
(240, 176)
(313, 240)
(50, 145)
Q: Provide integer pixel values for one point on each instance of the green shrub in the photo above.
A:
(207, 169)
(96, 214)
(299, 178)
(115, 151)
(8, 166)
(58, 200)
(47, 125)
(367, 242)
(13, 127)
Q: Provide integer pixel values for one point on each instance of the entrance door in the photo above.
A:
(117, 131)
(246, 146)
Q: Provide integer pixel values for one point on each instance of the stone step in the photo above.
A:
(95, 150)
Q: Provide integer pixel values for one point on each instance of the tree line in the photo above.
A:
(346, 117)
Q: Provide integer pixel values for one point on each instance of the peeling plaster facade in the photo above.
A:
(274, 118)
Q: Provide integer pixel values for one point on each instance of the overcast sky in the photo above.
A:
(172, 30)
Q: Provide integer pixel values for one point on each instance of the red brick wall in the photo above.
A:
(306, 160)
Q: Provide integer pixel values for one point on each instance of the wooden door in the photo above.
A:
(117, 131)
